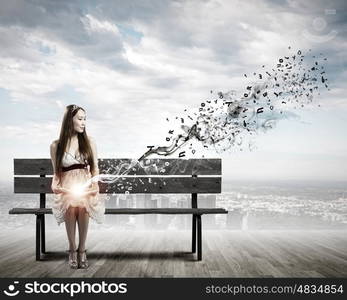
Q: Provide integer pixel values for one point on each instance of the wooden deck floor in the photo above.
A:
(225, 253)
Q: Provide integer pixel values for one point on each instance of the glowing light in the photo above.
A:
(77, 190)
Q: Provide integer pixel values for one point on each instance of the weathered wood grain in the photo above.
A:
(156, 166)
(134, 185)
(166, 253)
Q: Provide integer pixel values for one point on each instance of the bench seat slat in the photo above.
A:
(130, 211)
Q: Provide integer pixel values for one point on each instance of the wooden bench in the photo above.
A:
(176, 176)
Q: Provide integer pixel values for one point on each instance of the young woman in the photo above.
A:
(74, 160)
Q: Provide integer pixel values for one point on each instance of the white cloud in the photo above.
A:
(129, 86)
(92, 24)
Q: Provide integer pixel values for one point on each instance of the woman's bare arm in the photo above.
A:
(55, 187)
(95, 185)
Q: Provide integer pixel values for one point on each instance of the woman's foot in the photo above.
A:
(82, 259)
(73, 259)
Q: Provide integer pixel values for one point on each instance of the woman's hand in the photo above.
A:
(91, 192)
(56, 188)
(60, 190)
(65, 190)
(94, 189)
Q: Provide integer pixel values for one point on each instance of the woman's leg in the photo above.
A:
(83, 221)
(70, 225)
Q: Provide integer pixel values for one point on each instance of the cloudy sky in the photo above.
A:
(132, 64)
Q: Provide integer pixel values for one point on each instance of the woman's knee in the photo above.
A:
(82, 210)
(71, 211)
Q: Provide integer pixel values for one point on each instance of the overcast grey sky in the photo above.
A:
(131, 64)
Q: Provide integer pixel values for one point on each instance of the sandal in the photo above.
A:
(82, 259)
(73, 259)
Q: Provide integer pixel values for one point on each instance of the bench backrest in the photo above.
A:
(174, 176)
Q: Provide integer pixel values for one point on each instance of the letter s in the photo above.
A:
(29, 288)
(122, 288)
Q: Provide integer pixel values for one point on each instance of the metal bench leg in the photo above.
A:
(194, 234)
(43, 234)
(198, 217)
(38, 237)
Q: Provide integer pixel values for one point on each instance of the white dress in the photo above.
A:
(95, 205)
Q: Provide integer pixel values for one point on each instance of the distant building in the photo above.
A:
(150, 220)
(164, 219)
(208, 201)
(234, 219)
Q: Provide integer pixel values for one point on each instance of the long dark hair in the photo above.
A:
(66, 132)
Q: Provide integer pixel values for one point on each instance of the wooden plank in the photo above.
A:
(157, 166)
(148, 252)
(129, 211)
(134, 185)
(32, 166)
(161, 166)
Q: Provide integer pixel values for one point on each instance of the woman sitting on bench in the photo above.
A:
(74, 159)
